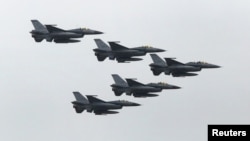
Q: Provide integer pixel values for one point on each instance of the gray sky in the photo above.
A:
(37, 79)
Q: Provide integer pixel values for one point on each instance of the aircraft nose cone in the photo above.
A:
(160, 50)
(151, 50)
(212, 66)
(215, 66)
(98, 32)
(95, 32)
(136, 104)
(176, 87)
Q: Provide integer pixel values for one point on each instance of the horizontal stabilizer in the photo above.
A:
(37, 39)
(156, 72)
(79, 109)
(118, 93)
(101, 57)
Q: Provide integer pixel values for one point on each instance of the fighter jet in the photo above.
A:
(98, 106)
(177, 69)
(52, 33)
(121, 53)
(138, 89)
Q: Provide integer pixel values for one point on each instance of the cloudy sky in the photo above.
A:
(37, 79)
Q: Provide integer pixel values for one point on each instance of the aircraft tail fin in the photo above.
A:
(157, 60)
(119, 81)
(39, 27)
(102, 45)
(80, 98)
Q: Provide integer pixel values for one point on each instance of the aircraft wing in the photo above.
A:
(132, 82)
(52, 28)
(93, 99)
(117, 47)
(171, 62)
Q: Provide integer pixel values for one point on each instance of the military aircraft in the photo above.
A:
(177, 69)
(121, 53)
(98, 106)
(52, 33)
(138, 89)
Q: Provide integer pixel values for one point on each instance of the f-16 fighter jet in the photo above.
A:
(98, 106)
(138, 89)
(121, 53)
(177, 69)
(52, 33)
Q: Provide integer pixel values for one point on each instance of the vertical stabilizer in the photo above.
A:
(80, 98)
(101, 45)
(119, 81)
(157, 60)
(39, 27)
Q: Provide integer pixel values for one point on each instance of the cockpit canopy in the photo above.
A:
(201, 62)
(162, 83)
(147, 46)
(84, 28)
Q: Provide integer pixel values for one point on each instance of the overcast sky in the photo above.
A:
(37, 79)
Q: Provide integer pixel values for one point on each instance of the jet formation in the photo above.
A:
(115, 51)
(137, 89)
(177, 69)
(98, 106)
(121, 53)
(51, 33)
